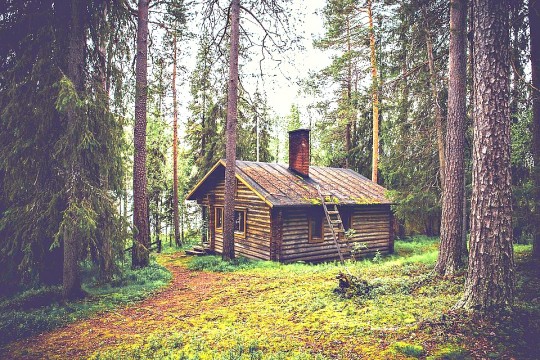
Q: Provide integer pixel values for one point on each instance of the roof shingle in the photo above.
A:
(279, 186)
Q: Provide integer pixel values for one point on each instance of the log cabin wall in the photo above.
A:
(256, 243)
(371, 223)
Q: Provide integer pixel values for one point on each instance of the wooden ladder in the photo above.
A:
(334, 219)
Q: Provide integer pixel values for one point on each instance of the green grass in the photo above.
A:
(419, 249)
(291, 311)
(266, 310)
(37, 310)
(168, 246)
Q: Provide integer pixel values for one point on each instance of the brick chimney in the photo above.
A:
(299, 151)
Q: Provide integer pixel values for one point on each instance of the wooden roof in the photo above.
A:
(278, 186)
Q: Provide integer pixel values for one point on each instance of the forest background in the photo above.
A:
(61, 177)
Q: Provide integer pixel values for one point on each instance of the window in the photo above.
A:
(346, 217)
(205, 228)
(219, 219)
(316, 233)
(240, 222)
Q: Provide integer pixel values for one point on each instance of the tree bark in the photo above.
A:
(490, 277)
(436, 107)
(374, 97)
(232, 114)
(175, 151)
(534, 23)
(75, 70)
(450, 250)
(141, 239)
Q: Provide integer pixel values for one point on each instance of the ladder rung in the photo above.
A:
(335, 221)
(332, 212)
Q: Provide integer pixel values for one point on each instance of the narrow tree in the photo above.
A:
(490, 276)
(534, 23)
(75, 68)
(175, 150)
(374, 96)
(232, 114)
(141, 236)
(450, 251)
(436, 106)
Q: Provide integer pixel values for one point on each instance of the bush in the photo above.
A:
(351, 286)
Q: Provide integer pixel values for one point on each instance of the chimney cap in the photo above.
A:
(299, 130)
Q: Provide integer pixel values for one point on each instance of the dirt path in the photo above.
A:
(183, 298)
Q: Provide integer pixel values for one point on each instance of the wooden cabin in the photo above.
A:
(278, 210)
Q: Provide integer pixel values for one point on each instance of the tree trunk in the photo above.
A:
(450, 251)
(106, 258)
(232, 113)
(157, 222)
(534, 23)
(75, 70)
(126, 199)
(349, 102)
(175, 151)
(374, 97)
(436, 107)
(141, 239)
(490, 277)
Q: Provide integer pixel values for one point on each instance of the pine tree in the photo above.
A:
(230, 133)
(450, 249)
(141, 238)
(409, 161)
(490, 276)
(345, 34)
(534, 23)
(374, 96)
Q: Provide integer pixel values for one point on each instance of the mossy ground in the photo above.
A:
(43, 309)
(264, 310)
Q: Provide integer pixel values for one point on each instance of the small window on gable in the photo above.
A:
(316, 233)
(219, 219)
(240, 222)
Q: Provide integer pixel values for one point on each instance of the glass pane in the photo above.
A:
(219, 218)
(239, 221)
(316, 227)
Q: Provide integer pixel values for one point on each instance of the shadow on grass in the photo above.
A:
(38, 310)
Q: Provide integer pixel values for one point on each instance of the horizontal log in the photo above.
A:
(332, 252)
(318, 258)
(291, 248)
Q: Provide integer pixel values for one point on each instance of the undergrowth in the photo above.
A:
(37, 310)
(264, 310)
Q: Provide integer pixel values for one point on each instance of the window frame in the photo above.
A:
(313, 216)
(238, 232)
(216, 210)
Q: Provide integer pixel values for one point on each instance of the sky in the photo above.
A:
(281, 92)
